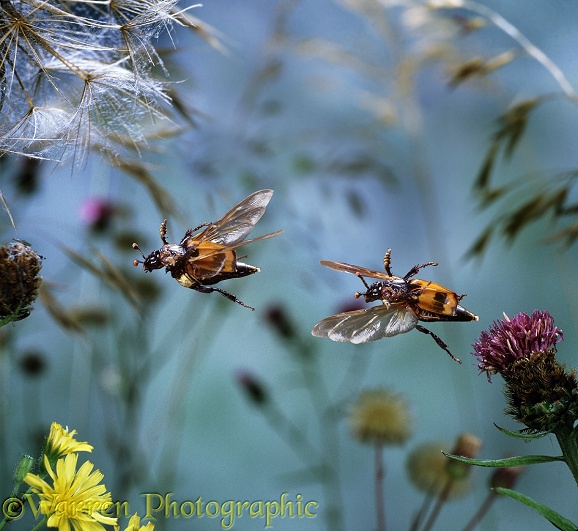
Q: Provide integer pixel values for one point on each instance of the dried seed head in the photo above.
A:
(380, 416)
(19, 280)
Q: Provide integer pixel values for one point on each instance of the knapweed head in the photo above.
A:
(540, 392)
(510, 340)
(19, 280)
(466, 445)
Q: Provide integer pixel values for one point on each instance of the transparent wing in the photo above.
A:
(363, 326)
(238, 222)
(348, 268)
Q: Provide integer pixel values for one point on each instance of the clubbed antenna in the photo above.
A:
(137, 262)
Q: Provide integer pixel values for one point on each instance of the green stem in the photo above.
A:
(22, 501)
(480, 513)
(569, 445)
(40, 524)
(442, 498)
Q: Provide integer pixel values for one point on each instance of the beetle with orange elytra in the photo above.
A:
(205, 258)
(404, 302)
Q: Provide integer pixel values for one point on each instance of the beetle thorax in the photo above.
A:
(166, 256)
(387, 290)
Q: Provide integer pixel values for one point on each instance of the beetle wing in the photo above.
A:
(371, 324)
(238, 222)
(348, 268)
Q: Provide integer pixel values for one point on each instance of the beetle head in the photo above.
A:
(150, 262)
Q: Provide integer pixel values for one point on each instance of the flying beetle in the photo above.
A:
(208, 257)
(404, 302)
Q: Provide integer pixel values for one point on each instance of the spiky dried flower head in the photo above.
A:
(427, 468)
(513, 339)
(380, 416)
(19, 280)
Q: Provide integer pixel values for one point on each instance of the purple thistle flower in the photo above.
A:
(513, 339)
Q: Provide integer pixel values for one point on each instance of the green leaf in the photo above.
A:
(552, 516)
(508, 461)
(520, 435)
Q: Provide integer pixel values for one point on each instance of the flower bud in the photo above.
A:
(467, 445)
(505, 477)
(22, 468)
(280, 321)
(253, 388)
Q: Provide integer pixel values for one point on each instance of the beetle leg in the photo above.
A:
(231, 297)
(413, 271)
(438, 340)
(387, 262)
(190, 232)
(163, 232)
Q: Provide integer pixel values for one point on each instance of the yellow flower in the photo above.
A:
(61, 442)
(380, 417)
(134, 525)
(77, 497)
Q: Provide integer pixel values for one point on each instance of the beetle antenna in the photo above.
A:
(137, 262)
(358, 275)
